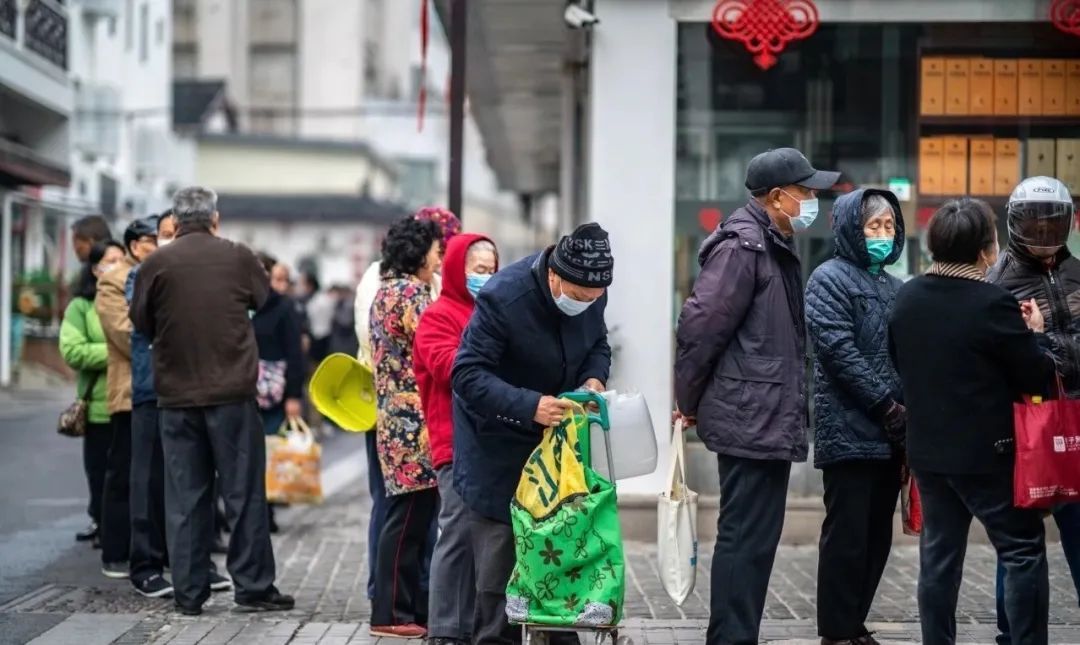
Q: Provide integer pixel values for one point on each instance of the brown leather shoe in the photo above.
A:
(411, 630)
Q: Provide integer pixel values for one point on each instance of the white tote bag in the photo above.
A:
(676, 530)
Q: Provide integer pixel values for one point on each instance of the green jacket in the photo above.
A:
(82, 344)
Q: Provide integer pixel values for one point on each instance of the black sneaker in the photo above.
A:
(272, 600)
(188, 611)
(87, 534)
(219, 582)
(154, 587)
(115, 570)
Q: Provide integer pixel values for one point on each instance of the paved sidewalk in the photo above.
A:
(321, 560)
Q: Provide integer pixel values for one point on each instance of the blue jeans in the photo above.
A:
(377, 489)
(1067, 517)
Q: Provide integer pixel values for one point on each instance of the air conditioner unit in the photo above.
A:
(98, 119)
(101, 8)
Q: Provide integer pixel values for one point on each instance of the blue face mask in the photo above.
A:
(879, 249)
(808, 212)
(474, 282)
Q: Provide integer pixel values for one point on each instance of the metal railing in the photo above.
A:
(38, 26)
(8, 14)
(45, 31)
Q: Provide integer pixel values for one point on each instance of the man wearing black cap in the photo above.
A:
(537, 331)
(740, 376)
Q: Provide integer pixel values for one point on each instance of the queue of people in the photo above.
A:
(468, 357)
(917, 377)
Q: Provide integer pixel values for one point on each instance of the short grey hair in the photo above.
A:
(194, 207)
(480, 246)
(875, 205)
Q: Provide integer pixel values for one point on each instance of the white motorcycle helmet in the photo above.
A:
(1040, 214)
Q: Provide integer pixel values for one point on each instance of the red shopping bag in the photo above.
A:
(910, 506)
(1047, 469)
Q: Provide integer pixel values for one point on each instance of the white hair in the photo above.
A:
(194, 207)
(874, 205)
(480, 246)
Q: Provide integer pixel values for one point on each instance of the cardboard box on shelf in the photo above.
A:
(957, 86)
(955, 181)
(1029, 87)
(982, 86)
(981, 166)
(931, 165)
(932, 92)
(1006, 165)
(1039, 158)
(1072, 87)
(1005, 86)
(1053, 87)
(1068, 164)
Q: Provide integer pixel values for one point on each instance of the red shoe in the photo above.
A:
(412, 630)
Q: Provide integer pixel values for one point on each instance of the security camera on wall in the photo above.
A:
(578, 18)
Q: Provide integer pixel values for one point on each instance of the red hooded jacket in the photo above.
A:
(436, 344)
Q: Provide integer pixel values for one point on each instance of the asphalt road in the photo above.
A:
(43, 495)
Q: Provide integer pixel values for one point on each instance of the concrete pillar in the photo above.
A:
(631, 165)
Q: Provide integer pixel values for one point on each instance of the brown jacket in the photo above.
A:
(194, 299)
(112, 309)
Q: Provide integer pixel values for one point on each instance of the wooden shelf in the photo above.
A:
(1004, 121)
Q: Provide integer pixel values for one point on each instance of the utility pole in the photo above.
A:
(458, 30)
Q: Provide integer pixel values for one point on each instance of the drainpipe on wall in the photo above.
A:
(6, 284)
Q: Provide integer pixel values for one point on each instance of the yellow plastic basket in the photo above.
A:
(343, 390)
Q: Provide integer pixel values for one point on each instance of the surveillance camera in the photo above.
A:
(578, 18)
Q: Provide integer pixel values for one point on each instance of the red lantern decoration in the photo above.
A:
(1065, 14)
(765, 27)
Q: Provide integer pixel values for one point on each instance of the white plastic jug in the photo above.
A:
(633, 442)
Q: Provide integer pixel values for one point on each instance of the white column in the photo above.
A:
(632, 195)
(6, 262)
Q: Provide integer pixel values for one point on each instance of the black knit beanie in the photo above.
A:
(584, 257)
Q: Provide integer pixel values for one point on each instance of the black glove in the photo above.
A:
(895, 423)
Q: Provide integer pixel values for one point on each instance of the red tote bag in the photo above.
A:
(1047, 469)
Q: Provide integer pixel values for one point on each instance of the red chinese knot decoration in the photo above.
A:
(765, 27)
(1065, 14)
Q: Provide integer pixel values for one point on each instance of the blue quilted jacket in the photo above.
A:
(847, 314)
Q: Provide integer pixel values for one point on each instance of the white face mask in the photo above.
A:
(572, 307)
(167, 242)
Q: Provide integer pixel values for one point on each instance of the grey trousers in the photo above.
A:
(453, 582)
(197, 442)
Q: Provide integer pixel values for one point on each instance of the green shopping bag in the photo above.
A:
(570, 569)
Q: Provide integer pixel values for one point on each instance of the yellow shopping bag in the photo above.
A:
(293, 465)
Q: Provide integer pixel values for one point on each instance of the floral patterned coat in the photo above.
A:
(402, 434)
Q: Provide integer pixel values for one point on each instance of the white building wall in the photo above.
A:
(637, 35)
(130, 55)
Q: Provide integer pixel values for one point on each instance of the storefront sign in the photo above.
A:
(1065, 14)
(765, 27)
(901, 187)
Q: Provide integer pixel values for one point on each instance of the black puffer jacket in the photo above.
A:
(1056, 289)
(847, 315)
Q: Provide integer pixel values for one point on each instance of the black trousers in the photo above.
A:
(197, 442)
(96, 444)
(753, 496)
(948, 503)
(148, 550)
(399, 600)
(115, 505)
(856, 538)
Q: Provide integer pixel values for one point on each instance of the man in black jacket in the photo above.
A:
(194, 299)
(964, 355)
(537, 331)
(1037, 264)
(740, 371)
